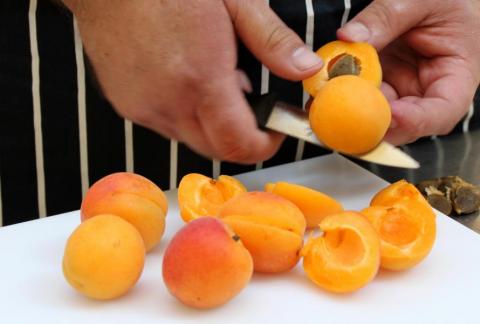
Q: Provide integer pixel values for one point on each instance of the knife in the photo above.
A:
(293, 121)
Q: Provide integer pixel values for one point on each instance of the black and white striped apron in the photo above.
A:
(58, 135)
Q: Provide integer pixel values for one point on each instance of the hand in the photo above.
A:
(430, 53)
(170, 66)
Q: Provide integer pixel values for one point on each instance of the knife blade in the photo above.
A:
(293, 121)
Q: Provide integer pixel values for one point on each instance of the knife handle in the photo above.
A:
(262, 106)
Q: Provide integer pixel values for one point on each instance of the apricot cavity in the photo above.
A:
(200, 196)
(314, 204)
(205, 264)
(271, 227)
(346, 256)
(405, 223)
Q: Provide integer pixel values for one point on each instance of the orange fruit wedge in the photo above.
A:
(346, 256)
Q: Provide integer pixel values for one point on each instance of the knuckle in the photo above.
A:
(386, 14)
(234, 151)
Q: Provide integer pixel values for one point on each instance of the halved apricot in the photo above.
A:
(350, 115)
(346, 256)
(315, 205)
(405, 223)
(342, 58)
(199, 195)
(270, 227)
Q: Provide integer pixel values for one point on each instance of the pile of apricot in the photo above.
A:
(348, 113)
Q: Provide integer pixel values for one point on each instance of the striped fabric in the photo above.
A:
(58, 135)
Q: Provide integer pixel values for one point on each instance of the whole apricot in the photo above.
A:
(350, 115)
(343, 58)
(271, 227)
(200, 196)
(315, 205)
(104, 257)
(346, 256)
(205, 264)
(132, 197)
(405, 223)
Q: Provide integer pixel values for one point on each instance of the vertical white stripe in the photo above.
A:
(265, 85)
(37, 113)
(309, 42)
(82, 109)
(1, 205)
(173, 164)
(216, 169)
(466, 121)
(348, 6)
(129, 146)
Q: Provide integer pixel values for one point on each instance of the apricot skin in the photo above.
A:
(314, 204)
(104, 257)
(131, 197)
(205, 264)
(350, 115)
(270, 226)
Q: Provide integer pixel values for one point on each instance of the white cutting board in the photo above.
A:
(445, 288)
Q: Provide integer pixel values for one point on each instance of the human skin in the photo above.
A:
(430, 52)
(170, 65)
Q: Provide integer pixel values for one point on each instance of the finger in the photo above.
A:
(230, 126)
(383, 21)
(271, 41)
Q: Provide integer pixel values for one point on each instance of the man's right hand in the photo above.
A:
(170, 65)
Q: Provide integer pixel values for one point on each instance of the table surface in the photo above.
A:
(442, 289)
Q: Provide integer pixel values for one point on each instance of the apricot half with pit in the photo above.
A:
(343, 58)
(271, 227)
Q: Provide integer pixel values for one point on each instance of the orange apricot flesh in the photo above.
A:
(350, 115)
(131, 197)
(346, 256)
(200, 196)
(315, 205)
(271, 228)
(364, 58)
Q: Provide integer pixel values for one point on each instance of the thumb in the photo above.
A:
(271, 41)
(383, 21)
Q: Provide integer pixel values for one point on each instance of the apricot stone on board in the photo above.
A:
(205, 264)
(131, 197)
(104, 257)
(271, 227)
(315, 205)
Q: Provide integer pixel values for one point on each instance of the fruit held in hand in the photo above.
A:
(342, 58)
(350, 115)
(346, 256)
(205, 264)
(200, 196)
(405, 223)
(131, 197)
(270, 226)
(104, 257)
(315, 205)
